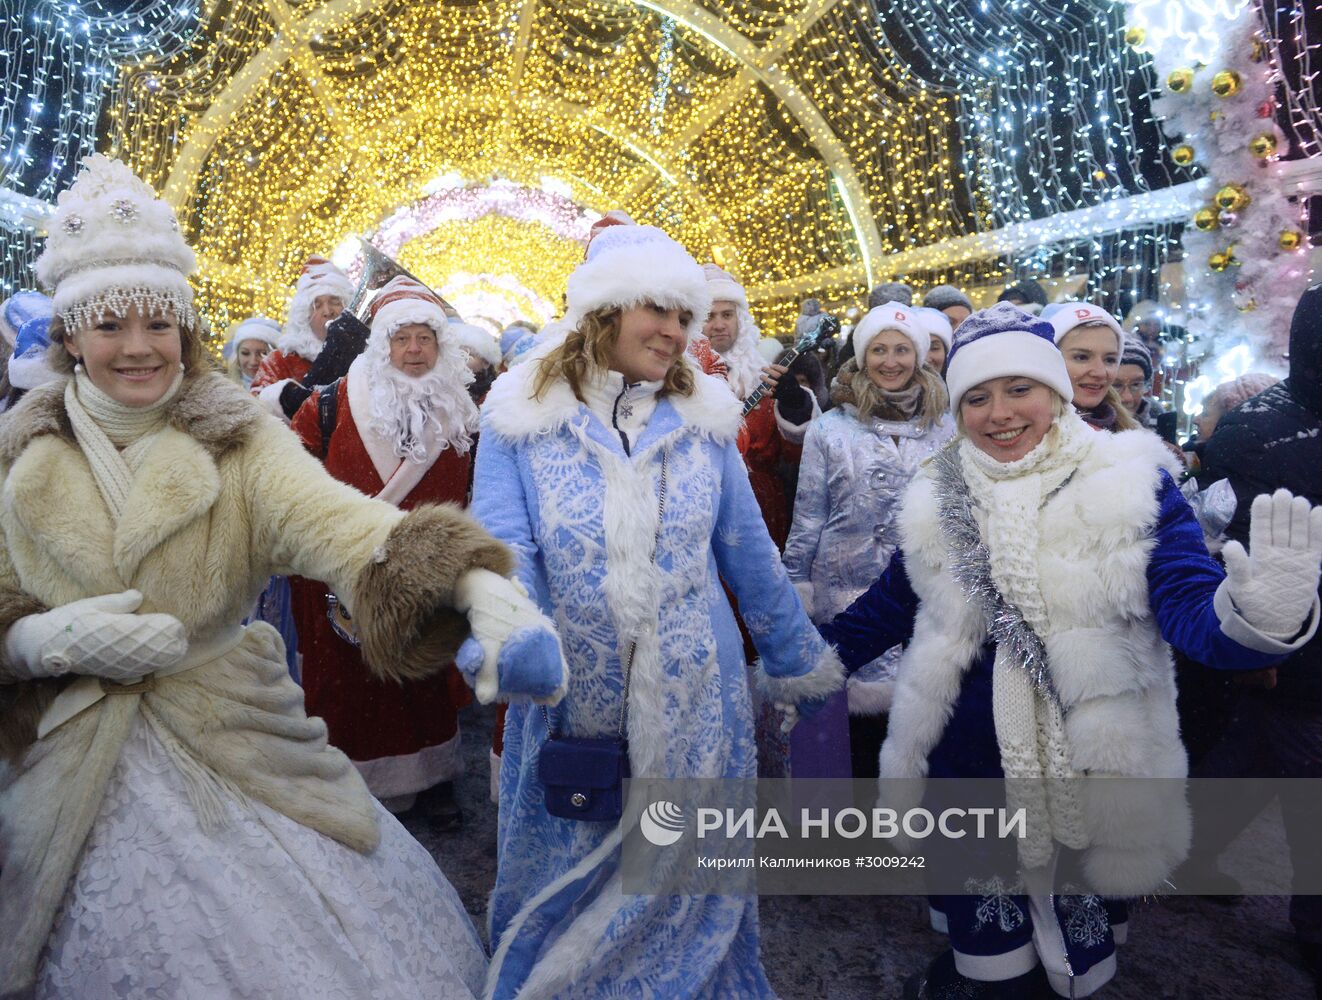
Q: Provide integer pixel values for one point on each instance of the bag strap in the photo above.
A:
(328, 401)
(633, 646)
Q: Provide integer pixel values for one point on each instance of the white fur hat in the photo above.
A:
(402, 301)
(935, 322)
(891, 316)
(113, 244)
(723, 287)
(1065, 316)
(319, 277)
(253, 328)
(476, 340)
(629, 266)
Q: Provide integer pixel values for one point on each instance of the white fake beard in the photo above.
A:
(743, 360)
(415, 414)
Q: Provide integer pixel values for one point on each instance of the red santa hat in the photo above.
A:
(402, 301)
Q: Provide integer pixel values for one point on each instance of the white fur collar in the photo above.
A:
(511, 411)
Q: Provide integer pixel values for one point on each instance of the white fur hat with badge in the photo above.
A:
(113, 244)
(1065, 316)
(630, 266)
(891, 316)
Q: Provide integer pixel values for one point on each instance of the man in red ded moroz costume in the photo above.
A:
(772, 435)
(289, 372)
(400, 428)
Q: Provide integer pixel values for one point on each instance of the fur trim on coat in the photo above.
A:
(511, 411)
(409, 628)
(1112, 669)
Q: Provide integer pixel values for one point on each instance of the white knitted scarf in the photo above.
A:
(115, 438)
(1030, 727)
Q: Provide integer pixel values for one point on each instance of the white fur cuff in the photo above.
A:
(1237, 629)
(269, 397)
(825, 678)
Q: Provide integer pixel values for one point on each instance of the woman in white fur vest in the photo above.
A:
(1043, 568)
(579, 446)
(171, 822)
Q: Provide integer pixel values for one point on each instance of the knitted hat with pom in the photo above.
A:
(1135, 353)
(1000, 341)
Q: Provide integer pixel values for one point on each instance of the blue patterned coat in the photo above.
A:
(557, 486)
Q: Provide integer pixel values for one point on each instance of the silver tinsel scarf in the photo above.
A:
(970, 565)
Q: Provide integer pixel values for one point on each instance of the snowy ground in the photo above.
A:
(857, 947)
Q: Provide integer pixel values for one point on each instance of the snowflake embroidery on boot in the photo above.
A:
(1086, 922)
(996, 907)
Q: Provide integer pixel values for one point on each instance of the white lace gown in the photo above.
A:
(263, 907)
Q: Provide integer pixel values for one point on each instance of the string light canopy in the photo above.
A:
(806, 144)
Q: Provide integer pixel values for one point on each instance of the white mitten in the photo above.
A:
(520, 650)
(1274, 584)
(99, 636)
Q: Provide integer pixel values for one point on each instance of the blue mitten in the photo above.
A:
(530, 664)
(514, 650)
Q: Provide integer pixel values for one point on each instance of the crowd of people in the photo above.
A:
(245, 605)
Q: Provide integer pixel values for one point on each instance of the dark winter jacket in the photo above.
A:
(1271, 441)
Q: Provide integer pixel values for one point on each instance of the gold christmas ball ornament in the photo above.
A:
(1206, 219)
(1232, 198)
(1183, 155)
(1135, 37)
(1259, 51)
(1263, 146)
(1231, 259)
(1247, 306)
(1218, 262)
(1226, 83)
(1180, 81)
(1290, 239)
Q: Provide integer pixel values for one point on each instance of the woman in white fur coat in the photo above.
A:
(569, 472)
(1043, 568)
(171, 822)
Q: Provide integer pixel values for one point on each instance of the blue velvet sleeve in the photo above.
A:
(881, 618)
(1182, 580)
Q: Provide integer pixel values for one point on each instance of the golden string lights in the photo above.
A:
(803, 142)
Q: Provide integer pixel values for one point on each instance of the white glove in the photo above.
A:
(99, 636)
(504, 619)
(1274, 585)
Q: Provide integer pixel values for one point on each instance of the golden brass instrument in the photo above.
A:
(379, 268)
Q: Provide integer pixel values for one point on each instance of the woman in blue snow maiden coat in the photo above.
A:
(1081, 542)
(569, 474)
